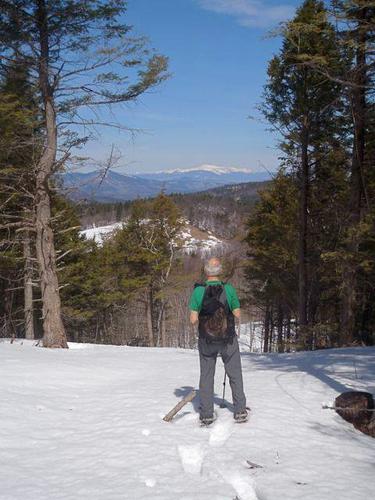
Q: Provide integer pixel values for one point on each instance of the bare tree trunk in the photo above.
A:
(53, 329)
(8, 310)
(252, 335)
(302, 243)
(357, 188)
(288, 332)
(271, 328)
(280, 340)
(266, 329)
(163, 327)
(28, 288)
(151, 342)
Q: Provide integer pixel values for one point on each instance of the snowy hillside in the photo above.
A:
(194, 240)
(202, 242)
(100, 233)
(86, 423)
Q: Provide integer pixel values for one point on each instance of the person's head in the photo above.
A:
(213, 268)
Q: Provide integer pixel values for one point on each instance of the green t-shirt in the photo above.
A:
(196, 298)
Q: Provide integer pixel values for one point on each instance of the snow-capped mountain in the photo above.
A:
(216, 169)
(203, 177)
(120, 187)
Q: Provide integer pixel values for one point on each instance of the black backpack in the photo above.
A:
(216, 321)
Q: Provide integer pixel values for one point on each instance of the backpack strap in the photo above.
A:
(223, 283)
(223, 296)
(196, 285)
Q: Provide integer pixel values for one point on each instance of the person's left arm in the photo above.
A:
(237, 313)
(193, 317)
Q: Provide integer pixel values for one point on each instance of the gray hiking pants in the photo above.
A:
(230, 354)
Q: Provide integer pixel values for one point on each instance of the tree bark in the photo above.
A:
(8, 310)
(280, 340)
(357, 191)
(302, 243)
(28, 288)
(151, 342)
(288, 333)
(266, 329)
(272, 325)
(163, 327)
(53, 329)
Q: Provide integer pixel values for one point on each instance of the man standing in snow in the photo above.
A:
(214, 305)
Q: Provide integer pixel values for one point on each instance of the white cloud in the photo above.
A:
(250, 12)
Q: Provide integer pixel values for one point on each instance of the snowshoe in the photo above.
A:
(206, 421)
(241, 416)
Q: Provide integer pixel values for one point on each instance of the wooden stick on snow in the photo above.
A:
(168, 417)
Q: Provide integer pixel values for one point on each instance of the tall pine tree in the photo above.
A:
(81, 56)
(303, 104)
(19, 146)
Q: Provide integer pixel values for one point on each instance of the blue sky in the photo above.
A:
(218, 52)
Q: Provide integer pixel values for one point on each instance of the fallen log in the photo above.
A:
(168, 417)
(357, 407)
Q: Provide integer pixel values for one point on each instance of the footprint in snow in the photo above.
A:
(191, 458)
(221, 432)
(243, 486)
(150, 482)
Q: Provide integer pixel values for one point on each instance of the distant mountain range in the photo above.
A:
(113, 187)
(122, 187)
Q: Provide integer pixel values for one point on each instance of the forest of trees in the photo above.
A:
(222, 210)
(312, 236)
(304, 254)
(62, 62)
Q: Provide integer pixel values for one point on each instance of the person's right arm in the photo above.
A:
(194, 307)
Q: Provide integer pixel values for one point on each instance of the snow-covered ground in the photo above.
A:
(86, 423)
(98, 234)
(197, 241)
(194, 240)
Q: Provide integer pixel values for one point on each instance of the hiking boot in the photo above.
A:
(206, 420)
(241, 416)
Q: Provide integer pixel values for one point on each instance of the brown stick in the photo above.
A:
(168, 417)
(326, 407)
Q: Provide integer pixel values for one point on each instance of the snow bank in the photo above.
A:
(191, 244)
(100, 233)
(86, 423)
(202, 246)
